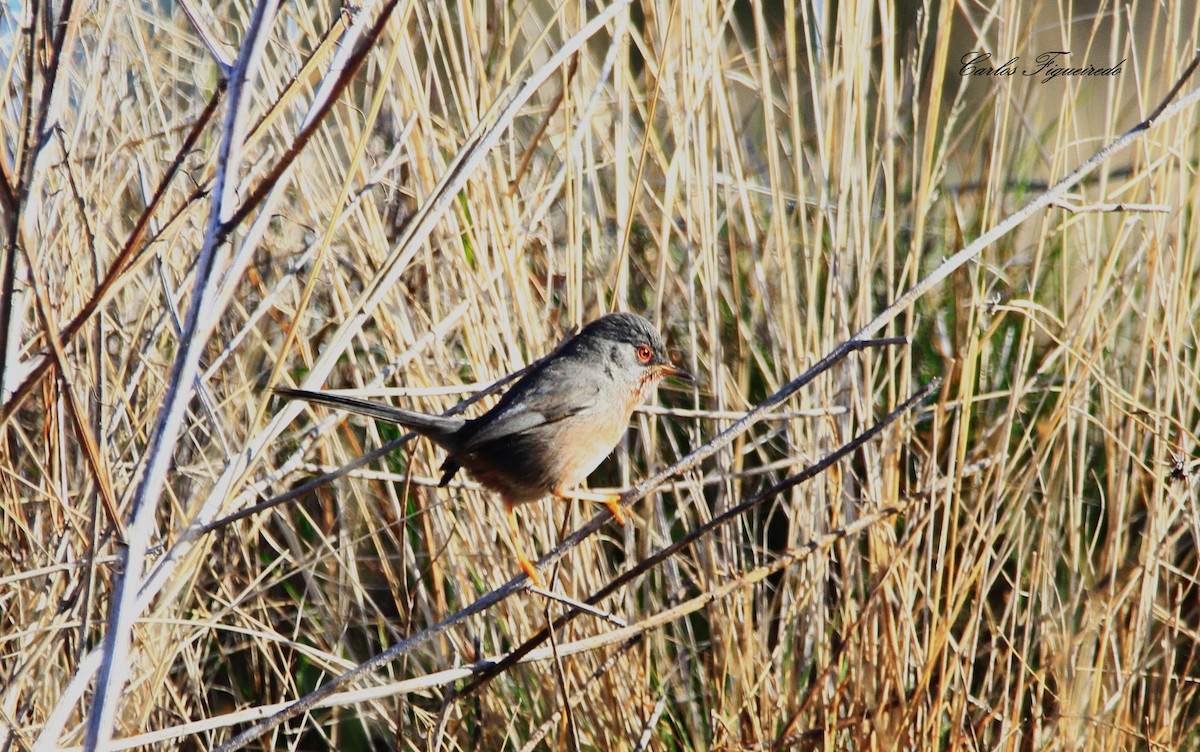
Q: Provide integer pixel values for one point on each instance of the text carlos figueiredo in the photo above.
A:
(1049, 65)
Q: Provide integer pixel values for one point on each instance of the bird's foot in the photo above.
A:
(610, 500)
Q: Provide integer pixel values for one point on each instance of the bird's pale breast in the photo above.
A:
(587, 439)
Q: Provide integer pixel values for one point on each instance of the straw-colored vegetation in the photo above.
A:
(761, 180)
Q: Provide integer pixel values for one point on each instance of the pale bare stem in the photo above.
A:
(584, 607)
(116, 660)
(217, 48)
(1105, 208)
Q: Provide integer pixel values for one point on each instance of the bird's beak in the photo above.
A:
(670, 370)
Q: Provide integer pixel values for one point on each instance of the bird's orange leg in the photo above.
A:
(609, 500)
(515, 535)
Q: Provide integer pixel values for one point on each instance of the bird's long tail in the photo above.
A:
(440, 430)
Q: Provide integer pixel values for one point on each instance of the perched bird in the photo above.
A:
(553, 427)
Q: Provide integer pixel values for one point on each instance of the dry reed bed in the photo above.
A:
(1016, 560)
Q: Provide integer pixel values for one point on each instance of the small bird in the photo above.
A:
(553, 427)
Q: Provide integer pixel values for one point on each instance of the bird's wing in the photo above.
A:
(538, 406)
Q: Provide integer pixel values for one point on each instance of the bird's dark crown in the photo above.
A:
(623, 327)
(619, 329)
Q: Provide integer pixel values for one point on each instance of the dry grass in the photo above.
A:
(1018, 564)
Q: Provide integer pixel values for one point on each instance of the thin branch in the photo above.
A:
(1096, 208)
(580, 605)
(219, 50)
(114, 666)
(35, 139)
(8, 327)
(83, 432)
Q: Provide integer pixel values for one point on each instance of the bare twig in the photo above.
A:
(1097, 208)
(35, 139)
(9, 325)
(218, 49)
(115, 665)
(580, 605)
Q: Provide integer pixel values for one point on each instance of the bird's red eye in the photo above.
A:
(645, 354)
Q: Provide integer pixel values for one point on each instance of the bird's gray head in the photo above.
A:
(626, 345)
